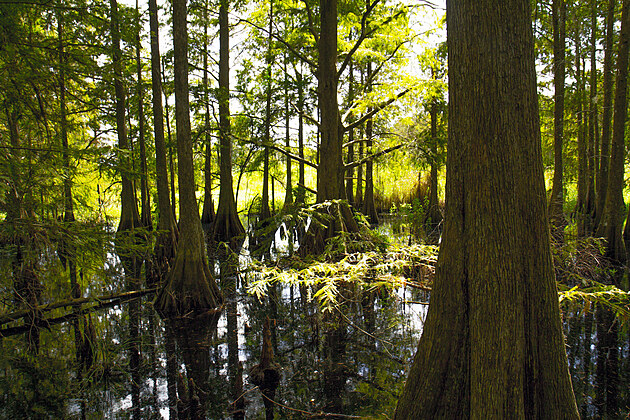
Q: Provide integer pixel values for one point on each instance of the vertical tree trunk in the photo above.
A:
(604, 159)
(288, 196)
(265, 213)
(483, 353)
(300, 194)
(145, 198)
(207, 214)
(582, 183)
(593, 136)
(612, 217)
(350, 155)
(227, 226)
(556, 203)
(330, 172)
(126, 235)
(164, 251)
(369, 207)
(433, 213)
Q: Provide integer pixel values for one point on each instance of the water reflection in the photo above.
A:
(351, 361)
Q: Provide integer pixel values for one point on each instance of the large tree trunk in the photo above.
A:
(190, 289)
(492, 345)
(227, 226)
(612, 216)
(330, 173)
(556, 203)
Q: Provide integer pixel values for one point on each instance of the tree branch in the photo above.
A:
(372, 156)
(364, 34)
(376, 110)
(283, 42)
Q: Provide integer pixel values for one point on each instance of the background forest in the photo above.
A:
(223, 209)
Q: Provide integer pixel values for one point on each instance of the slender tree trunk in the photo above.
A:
(265, 213)
(483, 353)
(145, 198)
(164, 251)
(300, 194)
(358, 198)
(593, 136)
(207, 214)
(350, 155)
(556, 203)
(604, 159)
(433, 213)
(171, 160)
(582, 183)
(288, 196)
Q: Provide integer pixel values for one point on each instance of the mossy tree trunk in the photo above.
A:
(492, 345)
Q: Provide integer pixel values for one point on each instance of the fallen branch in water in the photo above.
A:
(101, 302)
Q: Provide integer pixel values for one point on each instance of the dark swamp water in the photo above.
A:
(280, 356)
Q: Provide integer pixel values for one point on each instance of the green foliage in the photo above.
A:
(384, 270)
(593, 293)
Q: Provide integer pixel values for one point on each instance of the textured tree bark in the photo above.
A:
(492, 346)
(330, 172)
